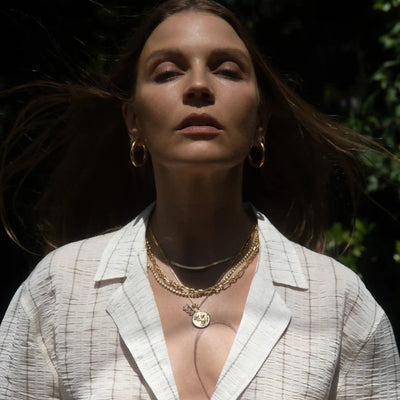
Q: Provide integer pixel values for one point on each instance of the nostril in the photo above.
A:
(200, 94)
(196, 95)
(200, 90)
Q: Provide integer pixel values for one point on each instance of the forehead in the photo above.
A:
(192, 31)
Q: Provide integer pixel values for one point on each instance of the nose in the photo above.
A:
(199, 91)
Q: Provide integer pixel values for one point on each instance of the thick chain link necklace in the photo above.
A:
(202, 319)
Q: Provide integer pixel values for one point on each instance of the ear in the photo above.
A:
(130, 118)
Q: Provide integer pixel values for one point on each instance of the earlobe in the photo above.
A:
(263, 118)
(129, 115)
(260, 135)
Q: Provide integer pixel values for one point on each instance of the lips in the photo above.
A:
(199, 124)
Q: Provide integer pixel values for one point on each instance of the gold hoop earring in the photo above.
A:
(260, 151)
(138, 162)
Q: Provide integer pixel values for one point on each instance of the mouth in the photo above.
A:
(201, 125)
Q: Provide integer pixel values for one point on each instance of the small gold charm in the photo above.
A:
(190, 309)
(201, 319)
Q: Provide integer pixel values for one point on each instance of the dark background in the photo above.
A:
(331, 52)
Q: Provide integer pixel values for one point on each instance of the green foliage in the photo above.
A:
(339, 237)
(380, 114)
(378, 118)
(385, 5)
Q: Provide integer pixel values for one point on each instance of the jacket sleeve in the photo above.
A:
(370, 366)
(26, 369)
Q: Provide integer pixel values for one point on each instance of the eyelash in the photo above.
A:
(228, 73)
(165, 76)
(225, 72)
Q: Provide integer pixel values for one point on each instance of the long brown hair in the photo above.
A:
(81, 145)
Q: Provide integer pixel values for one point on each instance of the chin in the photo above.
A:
(203, 155)
(204, 163)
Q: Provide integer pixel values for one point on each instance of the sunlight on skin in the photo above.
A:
(218, 337)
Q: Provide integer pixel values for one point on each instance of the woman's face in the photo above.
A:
(196, 99)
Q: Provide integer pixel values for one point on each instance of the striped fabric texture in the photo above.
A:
(85, 325)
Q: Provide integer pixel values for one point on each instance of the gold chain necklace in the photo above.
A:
(202, 319)
(228, 279)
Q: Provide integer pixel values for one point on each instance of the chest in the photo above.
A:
(198, 354)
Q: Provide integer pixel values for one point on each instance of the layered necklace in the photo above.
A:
(240, 262)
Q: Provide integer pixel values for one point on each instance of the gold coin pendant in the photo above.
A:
(201, 319)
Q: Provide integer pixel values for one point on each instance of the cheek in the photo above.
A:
(152, 110)
(244, 106)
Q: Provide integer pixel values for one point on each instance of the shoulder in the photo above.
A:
(338, 299)
(81, 255)
(73, 270)
(316, 275)
(327, 297)
(322, 267)
(339, 285)
(319, 285)
(73, 264)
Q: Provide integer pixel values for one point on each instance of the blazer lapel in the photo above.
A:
(264, 321)
(266, 316)
(133, 309)
(135, 313)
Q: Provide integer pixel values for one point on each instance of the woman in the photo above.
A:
(200, 296)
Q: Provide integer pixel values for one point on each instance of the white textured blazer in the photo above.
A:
(85, 325)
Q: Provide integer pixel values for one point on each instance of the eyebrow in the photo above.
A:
(236, 53)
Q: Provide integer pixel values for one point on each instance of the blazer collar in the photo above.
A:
(126, 242)
(285, 265)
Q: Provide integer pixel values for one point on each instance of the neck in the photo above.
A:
(200, 218)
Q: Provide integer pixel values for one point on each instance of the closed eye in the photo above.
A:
(165, 71)
(230, 70)
(165, 76)
(230, 74)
